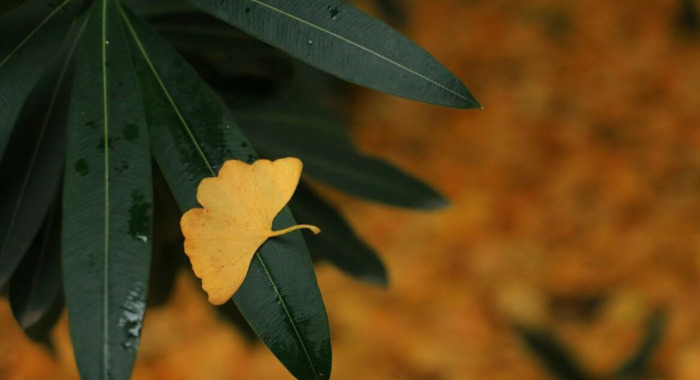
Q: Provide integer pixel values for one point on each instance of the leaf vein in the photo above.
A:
(34, 31)
(355, 44)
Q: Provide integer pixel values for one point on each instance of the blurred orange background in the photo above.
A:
(575, 206)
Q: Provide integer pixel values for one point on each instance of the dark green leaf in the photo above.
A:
(31, 35)
(336, 37)
(107, 202)
(34, 160)
(638, 362)
(322, 142)
(338, 243)
(192, 135)
(36, 295)
(553, 355)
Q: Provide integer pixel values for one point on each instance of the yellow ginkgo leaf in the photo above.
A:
(239, 207)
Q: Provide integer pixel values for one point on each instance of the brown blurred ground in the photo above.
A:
(575, 206)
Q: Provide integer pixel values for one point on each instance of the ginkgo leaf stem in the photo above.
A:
(313, 229)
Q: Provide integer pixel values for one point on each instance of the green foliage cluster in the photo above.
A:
(93, 91)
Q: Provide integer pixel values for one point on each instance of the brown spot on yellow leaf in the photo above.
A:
(239, 206)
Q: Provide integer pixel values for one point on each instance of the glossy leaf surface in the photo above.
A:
(338, 38)
(107, 202)
(192, 134)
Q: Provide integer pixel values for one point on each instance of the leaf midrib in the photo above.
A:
(206, 161)
(167, 93)
(34, 31)
(370, 51)
(286, 311)
(105, 286)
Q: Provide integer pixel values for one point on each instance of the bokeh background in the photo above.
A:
(575, 208)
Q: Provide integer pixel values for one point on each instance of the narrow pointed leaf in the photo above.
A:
(192, 135)
(323, 143)
(34, 159)
(31, 35)
(635, 366)
(338, 38)
(338, 243)
(36, 297)
(107, 202)
(552, 354)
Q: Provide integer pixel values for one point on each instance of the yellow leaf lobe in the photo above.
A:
(239, 206)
